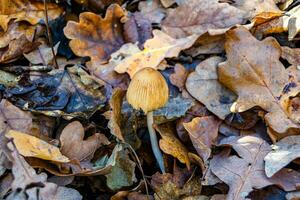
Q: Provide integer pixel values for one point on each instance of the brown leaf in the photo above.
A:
(16, 49)
(245, 172)
(26, 10)
(283, 152)
(179, 76)
(11, 117)
(203, 84)
(291, 55)
(203, 132)
(198, 17)
(28, 184)
(73, 145)
(95, 36)
(169, 144)
(255, 7)
(258, 80)
(152, 10)
(158, 48)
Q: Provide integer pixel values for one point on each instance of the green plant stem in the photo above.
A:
(155, 148)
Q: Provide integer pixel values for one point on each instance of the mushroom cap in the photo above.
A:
(148, 90)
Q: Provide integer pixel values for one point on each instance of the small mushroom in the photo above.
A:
(148, 90)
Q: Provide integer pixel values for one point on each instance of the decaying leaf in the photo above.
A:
(30, 146)
(258, 80)
(13, 118)
(203, 132)
(27, 184)
(122, 173)
(171, 145)
(161, 46)
(178, 78)
(75, 147)
(59, 90)
(291, 55)
(95, 36)
(152, 10)
(26, 10)
(283, 152)
(245, 172)
(177, 186)
(200, 16)
(203, 84)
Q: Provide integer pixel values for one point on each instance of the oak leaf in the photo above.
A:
(292, 55)
(245, 172)
(200, 16)
(75, 147)
(26, 10)
(158, 48)
(95, 36)
(203, 85)
(283, 152)
(31, 146)
(152, 10)
(203, 132)
(12, 117)
(257, 80)
(171, 145)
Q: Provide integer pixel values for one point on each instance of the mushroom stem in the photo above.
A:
(155, 148)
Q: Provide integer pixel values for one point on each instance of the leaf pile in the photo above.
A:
(231, 126)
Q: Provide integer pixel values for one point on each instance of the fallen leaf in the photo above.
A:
(178, 78)
(63, 90)
(161, 46)
(167, 3)
(255, 82)
(283, 152)
(245, 172)
(169, 144)
(152, 10)
(122, 173)
(13, 118)
(29, 185)
(42, 55)
(203, 84)
(175, 186)
(293, 195)
(291, 55)
(95, 36)
(198, 17)
(26, 10)
(203, 132)
(30, 146)
(255, 7)
(137, 29)
(72, 136)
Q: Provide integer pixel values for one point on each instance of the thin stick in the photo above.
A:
(49, 34)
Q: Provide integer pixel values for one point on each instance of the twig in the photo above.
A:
(49, 34)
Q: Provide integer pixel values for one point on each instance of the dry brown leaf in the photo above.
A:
(200, 16)
(255, 7)
(95, 36)
(158, 48)
(178, 78)
(26, 10)
(73, 145)
(15, 31)
(169, 144)
(16, 49)
(258, 80)
(245, 172)
(203, 85)
(291, 55)
(12, 117)
(30, 146)
(283, 152)
(152, 10)
(203, 132)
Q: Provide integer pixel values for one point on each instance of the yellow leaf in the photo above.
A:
(30, 146)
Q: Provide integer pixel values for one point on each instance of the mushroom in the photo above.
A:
(148, 90)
